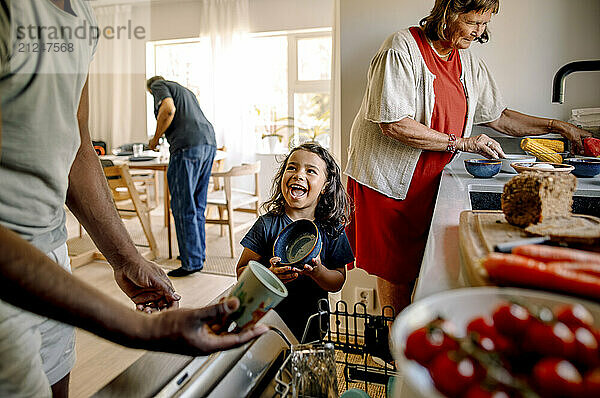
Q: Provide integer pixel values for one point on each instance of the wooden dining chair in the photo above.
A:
(215, 184)
(230, 200)
(128, 201)
(147, 181)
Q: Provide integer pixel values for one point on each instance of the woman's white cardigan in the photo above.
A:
(399, 85)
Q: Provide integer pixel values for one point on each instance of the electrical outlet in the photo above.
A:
(366, 296)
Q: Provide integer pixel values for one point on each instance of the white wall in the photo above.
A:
(530, 40)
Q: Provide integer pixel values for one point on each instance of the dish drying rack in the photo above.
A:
(357, 336)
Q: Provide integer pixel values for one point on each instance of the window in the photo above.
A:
(287, 87)
(183, 61)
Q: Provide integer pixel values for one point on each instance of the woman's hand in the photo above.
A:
(481, 144)
(286, 273)
(570, 132)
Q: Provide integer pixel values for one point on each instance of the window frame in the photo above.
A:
(294, 85)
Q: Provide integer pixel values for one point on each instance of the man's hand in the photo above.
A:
(147, 285)
(152, 144)
(192, 331)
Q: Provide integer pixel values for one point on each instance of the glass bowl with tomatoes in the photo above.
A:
(491, 342)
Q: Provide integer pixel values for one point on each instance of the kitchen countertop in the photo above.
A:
(440, 269)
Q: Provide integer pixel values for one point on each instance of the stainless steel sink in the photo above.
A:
(487, 197)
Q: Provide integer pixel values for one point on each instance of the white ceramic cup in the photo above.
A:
(258, 290)
(138, 149)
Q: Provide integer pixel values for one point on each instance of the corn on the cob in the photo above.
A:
(555, 145)
(542, 152)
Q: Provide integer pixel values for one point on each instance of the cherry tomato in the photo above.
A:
(596, 332)
(483, 325)
(453, 375)
(591, 384)
(575, 316)
(551, 339)
(484, 342)
(477, 391)
(487, 336)
(425, 343)
(511, 319)
(586, 347)
(555, 377)
(494, 342)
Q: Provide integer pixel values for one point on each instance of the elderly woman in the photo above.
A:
(425, 91)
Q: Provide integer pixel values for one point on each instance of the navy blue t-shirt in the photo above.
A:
(189, 127)
(303, 293)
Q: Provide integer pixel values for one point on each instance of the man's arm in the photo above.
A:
(166, 113)
(90, 200)
(30, 280)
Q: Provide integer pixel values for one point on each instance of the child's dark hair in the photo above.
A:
(333, 209)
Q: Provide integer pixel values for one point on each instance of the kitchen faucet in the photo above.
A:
(558, 84)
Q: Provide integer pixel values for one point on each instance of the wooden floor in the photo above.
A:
(99, 361)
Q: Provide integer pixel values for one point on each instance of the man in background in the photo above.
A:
(47, 160)
(192, 146)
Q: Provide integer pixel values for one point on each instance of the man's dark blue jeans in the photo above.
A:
(188, 175)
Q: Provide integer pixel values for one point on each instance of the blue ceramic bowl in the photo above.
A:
(298, 243)
(483, 168)
(584, 167)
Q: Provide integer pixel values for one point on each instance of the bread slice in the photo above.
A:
(531, 196)
(575, 228)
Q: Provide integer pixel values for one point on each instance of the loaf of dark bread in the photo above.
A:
(529, 197)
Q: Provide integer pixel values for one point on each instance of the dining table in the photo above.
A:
(155, 161)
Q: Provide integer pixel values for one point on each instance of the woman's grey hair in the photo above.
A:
(445, 12)
(152, 80)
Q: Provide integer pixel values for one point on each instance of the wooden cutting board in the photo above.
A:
(479, 231)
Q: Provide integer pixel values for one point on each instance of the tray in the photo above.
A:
(521, 167)
(141, 158)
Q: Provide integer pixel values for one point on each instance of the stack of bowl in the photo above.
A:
(510, 158)
(584, 167)
(483, 168)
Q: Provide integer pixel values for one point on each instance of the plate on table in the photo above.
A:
(141, 158)
(459, 307)
(542, 166)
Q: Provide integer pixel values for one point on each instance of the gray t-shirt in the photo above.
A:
(49, 53)
(4, 33)
(189, 126)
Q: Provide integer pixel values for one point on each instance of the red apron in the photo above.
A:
(388, 236)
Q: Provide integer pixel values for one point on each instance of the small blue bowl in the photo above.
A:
(483, 168)
(584, 167)
(298, 243)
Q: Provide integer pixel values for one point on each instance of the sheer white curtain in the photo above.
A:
(225, 23)
(110, 81)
